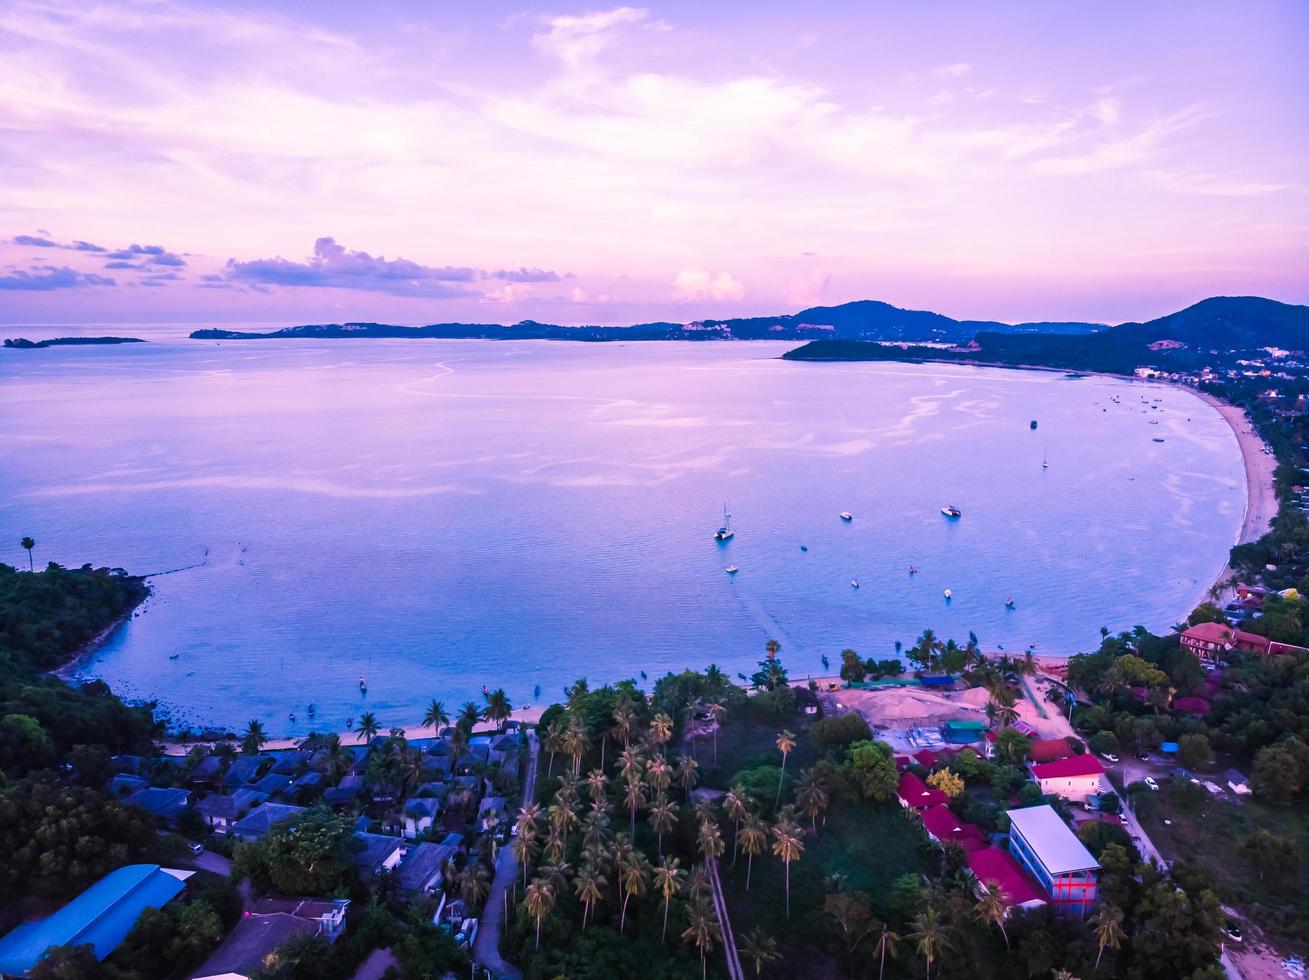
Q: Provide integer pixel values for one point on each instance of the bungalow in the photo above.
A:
(346, 791)
(290, 763)
(124, 785)
(375, 854)
(438, 765)
(420, 873)
(207, 769)
(420, 813)
(1237, 783)
(1050, 749)
(163, 803)
(272, 784)
(913, 792)
(220, 811)
(1210, 641)
(244, 770)
(263, 929)
(942, 825)
(491, 813)
(1042, 843)
(1074, 778)
(262, 819)
(1017, 888)
(100, 917)
(304, 786)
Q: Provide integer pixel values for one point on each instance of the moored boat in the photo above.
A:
(725, 532)
(952, 512)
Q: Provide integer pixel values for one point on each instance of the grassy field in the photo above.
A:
(746, 741)
(1277, 903)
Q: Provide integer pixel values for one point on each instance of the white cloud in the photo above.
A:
(957, 69)
(808, 288)
(511, 292)
(1107, 110)
(1210, 184)
(1117, 153)
(579, 38)
(696, 284)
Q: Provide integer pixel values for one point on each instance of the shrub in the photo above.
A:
(841, 730)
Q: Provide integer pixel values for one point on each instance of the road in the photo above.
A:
(486, 948)
(720, 909)
(210, 861)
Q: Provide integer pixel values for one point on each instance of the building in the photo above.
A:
(420, 813)
(1074, 778)
(913, 792)
(1210, 642)
(995, 866)
(420, 873)
(1050, 852)
(262, 819)
(375, 854)
(942, 825)
(1237, 783)
(220, 812)
(269, 924)
(1049, 749)
(165, 804)
(100, 917)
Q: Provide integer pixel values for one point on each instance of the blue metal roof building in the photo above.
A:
(101, 916)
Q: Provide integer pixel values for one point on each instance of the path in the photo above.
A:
(213, 863)
(720, 909)
(376, 964)
(486, 948)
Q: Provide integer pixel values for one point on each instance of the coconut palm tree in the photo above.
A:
(1107, 924)
(368, 727)
(253, 738)
(771, 648)
(734, 808)
(554, 742)
(709, 841)
(474, 885)
(702, 931)
(498, 708)
(754, 837)
(576, 740)
(27, 544)
(719, 713)
(595, 829)
(563, 816)
(595, 784)
(589, 886)
(540, 899)
(556, 842)
(785, 743)
(929, 935)
(812, 797)
(991, 910)
(556, 874)
(659, 774)
(338, 759)
(524, 852)
(624, 719)
(663, 818)
(436, 716)
(788, 846)
(668, 877)
(634, 799)
(759, 947)
(688, 775)
(887, 942)
(661, 729)
(469, 716)
(632, 876)
(459, 741)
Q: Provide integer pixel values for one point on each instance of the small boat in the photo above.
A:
(826, 663)
(1158, 439)
(948, 595)
(174, 656)
(363, 684)
(804, 547)
(854, 583)
(536, 691)
(725, 532)
(1045, 463)
(913, 569)
(1033, 423)
(1009, 603)
(952, 512)
(847, 516)
(313, 710)
(732, 569)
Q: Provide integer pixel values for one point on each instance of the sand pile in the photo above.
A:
(906, 707)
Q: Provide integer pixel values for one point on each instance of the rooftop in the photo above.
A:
(991, 864)
(1074, 765)
(1054, 844)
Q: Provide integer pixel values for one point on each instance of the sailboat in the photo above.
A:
(725, 532)
(1045, 463)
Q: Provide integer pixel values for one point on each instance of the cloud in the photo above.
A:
(32, 240)
(335, 266)
(1116, 153)
(50, 277)
(509, 293)
(525, 275)
(80, 246)
(808, 288)
(153, 254)
(1107, 111)
(1210, 185)
(120, 264)
(957, 69)
(578, 38)
(696, 284)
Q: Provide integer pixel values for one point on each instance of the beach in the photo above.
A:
(1260, 464)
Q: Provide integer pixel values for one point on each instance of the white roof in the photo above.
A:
(1053, 842)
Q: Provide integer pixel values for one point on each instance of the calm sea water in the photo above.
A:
(442, 515)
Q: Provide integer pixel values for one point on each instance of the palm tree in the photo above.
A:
(663, 817)
(632, 877)
(785, 743)
(709, 841)
(595, 829)
(253, 739)
(886, 943)
(754, 836)
(540, 899)
(556, 874)
(554, 742)
(556, 841)
(368, 727)
(1028, 666)
(991, 910)
(27, 544)
(719, 712)
(624, 718)
(771, 648)
(498, 708)
(760, 947)
(338, 759)
(930, 938)
(668, 878)
(575, 742)
(703, 931)
(634, 799)
(788, 846)
(661, 729)
(589, 886)
(595, 784)
(1107, 924)
(687, 774)
(469, 715)
(734, 807)
(474, 885)
(659, 774)
(812, 797)
(436, 716)
(459, 742)
(524, 851)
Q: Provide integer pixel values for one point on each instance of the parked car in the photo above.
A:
(1143, 756)
(1109, 757)
(1150, 782)
(1234, 931)
(196, 848)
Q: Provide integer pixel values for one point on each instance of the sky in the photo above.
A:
(279, 163)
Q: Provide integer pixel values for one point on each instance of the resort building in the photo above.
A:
(265, 927)
(100, 917)
(1050, 852)
(994, 866)
(1211, 641)
(1074, 778)
(913, 792)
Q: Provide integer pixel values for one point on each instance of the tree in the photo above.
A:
(991, 909)
(839, 731)
(1268, 852)
(687, 774)
(1193, 751)
(887, 943)
(702, 931)
(788, 846)
(709, 841)
(474, 885)
(663, 817)
(668, 877)
(436, 716)
(576, 741)
(754, 836)
(719, 712)
(589, 886)
(947, 782)
(307, 857)
(1107, 925)
(469, 717)
(539, 900)
(854, 918)
(760, 948)
(785, 743)
(812, 797)
(634, 799)
(1013, 747)
(498, 708)
(632, 879)
(734, 806)
(930, 938)
(368, 727)
(253, 738)
(872, 769)
(28, 544)
(853, 670)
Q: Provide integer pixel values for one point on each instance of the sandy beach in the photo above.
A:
(1261, 495)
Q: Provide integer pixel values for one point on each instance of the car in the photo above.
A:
(196, 848)
(1151, 783)
(1143, 756)
(1109, 757)
(1234, 931)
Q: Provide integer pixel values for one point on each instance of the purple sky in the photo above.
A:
(275, 163)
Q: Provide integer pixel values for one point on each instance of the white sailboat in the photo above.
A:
(725, 532)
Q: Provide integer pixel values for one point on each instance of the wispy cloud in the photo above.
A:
(46, 278)
(697, 285)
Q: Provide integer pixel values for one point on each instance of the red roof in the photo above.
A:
(942, 824)
(902, 762)
(991, 864)
(918, 794)
(926, 758)
(1050, 749)
(1074, 765)
(1218, 633)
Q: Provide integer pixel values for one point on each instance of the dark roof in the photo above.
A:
(230, 807)
(288, 762)
(422, 864)
(272, 783)
(123, 785)
(163, 802)
(262, 818)
(243, 769)
(254, 937)
(368, 851)
(207, 768)
(422, 806)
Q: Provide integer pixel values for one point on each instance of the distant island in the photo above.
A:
(22, 343)
(1179, 343)
(860, 320)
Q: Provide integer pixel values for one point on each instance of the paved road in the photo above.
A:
(376, 964)
(729, 939)
(210, 861)
(486, 948)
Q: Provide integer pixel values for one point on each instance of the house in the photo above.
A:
(346, 791)
(272, 784)
(244, 770)
(927, 759)
(375, 854)
(220, 811)
(124, 785)
(1237, 783)
(1210, 641)
(1044, 845)
(163, 803)
(100, 917)
(1073, 778)
(269, 924)
(260, 820)
(913, 792)
(994, 865)
(942, 825)
(491, 813)
(420, 813)
(290, 763)
(420, 873)
(1049, 749)
(207, 769)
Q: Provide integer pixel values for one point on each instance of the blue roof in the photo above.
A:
(101, 916)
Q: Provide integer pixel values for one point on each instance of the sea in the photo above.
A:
(438, 517)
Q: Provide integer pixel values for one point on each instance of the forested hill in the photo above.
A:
(862, 320)
(1182, 341)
